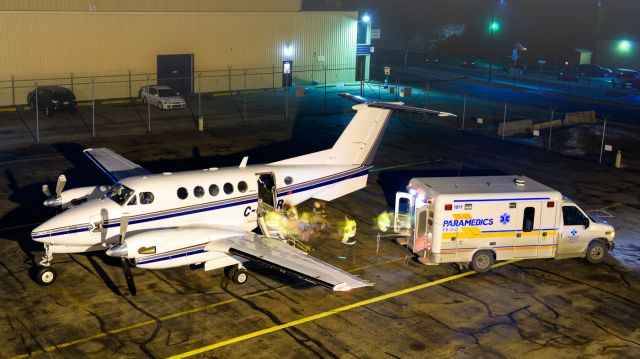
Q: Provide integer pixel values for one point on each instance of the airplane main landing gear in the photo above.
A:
(45, 275)
(239, 275)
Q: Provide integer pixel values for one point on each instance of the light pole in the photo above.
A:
(493, 26)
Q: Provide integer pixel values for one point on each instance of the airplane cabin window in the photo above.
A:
(242, 186)
(288, 180)
(182, 193)
(198, 191)
(228, 188)
(214, 190)
(146, 197)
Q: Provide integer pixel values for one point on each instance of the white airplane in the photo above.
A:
(166, 220)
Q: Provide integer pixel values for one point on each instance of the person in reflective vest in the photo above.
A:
(274, 222)
(383, 221)
(349, 231)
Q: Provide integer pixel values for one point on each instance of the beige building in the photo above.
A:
(109, 47)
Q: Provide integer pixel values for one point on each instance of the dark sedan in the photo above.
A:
(53, 99)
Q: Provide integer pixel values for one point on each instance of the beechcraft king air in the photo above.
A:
(166, 220)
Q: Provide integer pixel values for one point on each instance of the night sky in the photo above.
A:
(550, 29)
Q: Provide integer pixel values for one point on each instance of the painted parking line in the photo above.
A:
(329, 313)
(175, 315)
(8, 109)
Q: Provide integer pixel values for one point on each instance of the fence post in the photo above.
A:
(551, 127)
(361, 80)
(37, 116)
(244, 74)
(229, 66)
(286, 102)
(199, 95)
(426, 99)
(71, 77)
(397, 88)
(13, 90)
(93, 107)
(325, 88)
(129, 71)
(604, 128)
(504, 118)
(464, 111)
(148, 106)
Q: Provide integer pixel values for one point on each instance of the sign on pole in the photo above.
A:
(375, 34)
(387, 71)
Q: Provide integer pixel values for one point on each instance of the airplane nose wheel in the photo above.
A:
(45, 276)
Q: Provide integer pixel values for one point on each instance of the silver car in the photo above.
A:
(162, 96)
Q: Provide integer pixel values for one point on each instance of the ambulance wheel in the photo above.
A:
(596, 252)
(482, 261)
(240, 276)
(45, 276)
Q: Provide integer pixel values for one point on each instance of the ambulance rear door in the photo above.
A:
(424, 222)
(402, 215)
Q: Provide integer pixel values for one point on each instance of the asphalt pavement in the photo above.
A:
(534, 308)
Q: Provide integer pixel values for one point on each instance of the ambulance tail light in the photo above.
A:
(448, 207)
(550, 204)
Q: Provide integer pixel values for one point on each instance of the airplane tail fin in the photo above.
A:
(358, 143)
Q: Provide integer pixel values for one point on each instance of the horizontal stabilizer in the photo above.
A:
(395, 106)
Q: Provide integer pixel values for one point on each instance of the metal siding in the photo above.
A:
(154, 5)
(92, 44)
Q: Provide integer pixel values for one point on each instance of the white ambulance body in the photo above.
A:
(479, 220)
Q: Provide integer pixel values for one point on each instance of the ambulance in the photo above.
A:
(479, 220)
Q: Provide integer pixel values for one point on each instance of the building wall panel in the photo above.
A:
(153, 5)
(60, 45)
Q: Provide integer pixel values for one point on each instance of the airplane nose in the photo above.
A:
(119, 250)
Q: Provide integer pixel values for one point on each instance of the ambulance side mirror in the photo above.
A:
(586, 223)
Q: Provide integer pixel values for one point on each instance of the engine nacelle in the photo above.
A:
(76, 196)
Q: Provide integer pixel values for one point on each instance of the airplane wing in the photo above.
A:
(279, 255)
(113, 165)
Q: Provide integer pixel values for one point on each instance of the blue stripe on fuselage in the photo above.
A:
(116, 222)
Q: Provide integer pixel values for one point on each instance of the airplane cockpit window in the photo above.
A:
(133, 201)
(119, 193)
(146, 197)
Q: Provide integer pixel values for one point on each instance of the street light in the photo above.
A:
(624, 46)
(493, 27)
(366, 18)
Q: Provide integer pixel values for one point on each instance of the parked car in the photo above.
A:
(162, 96)
(469, 63)
(568, 73)
(627, 78)
(592, 70)
(52, 99)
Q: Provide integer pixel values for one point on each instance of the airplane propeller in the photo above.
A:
(52, 201)
(126, 269)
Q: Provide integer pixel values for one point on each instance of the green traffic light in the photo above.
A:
(624, 46)
(494, 26)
